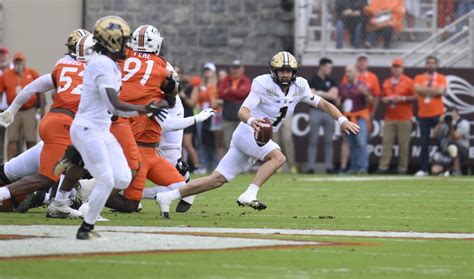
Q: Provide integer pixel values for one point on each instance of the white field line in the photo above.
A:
(316, 232)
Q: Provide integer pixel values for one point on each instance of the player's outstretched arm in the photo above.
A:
(346, 125)
(169, 124)
(40, 85)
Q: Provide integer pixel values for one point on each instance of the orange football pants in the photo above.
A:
(122, 130)
(54, 131)
(155, 168)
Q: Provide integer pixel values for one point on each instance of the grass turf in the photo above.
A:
(435, 204)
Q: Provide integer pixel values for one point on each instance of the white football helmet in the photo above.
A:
(147, 38)
(84, 48)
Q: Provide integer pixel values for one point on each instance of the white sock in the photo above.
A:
(189, 199)
(4, 193)
(46, 199)
(150, 193)
(62, 195)
(252, 190)
(176, 194)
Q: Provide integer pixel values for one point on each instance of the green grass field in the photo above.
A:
(436, 204)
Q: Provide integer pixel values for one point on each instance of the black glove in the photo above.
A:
(157, 111)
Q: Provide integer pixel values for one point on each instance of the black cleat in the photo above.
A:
(166, 215)
(255, 204)
(87, 235)
(31, 201)
(183, 206)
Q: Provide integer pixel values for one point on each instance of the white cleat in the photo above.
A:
(61, 209)
(247, 200)
(85, 189)
(164, 200)
(421, 173)
(85, 208)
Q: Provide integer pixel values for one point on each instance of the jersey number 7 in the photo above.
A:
(283, 112)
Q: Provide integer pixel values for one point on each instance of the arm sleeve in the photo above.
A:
(252, 101)
(309, 97)
(175, 123)
(40, 85)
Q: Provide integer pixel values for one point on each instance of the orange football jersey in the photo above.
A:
(142, 77)
(67, 75)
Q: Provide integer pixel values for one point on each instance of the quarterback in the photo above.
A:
(273, 96)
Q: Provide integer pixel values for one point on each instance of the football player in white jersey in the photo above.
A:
(90, 130)
(273, 96)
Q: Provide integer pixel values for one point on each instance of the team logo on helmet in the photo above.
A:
(283, 60)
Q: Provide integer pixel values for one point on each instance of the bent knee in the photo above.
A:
(123, 180)
(216, 180)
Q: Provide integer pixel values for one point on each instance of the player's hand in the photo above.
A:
(258, 123)
(156, 110)
(204, 115)
(6, 118)
(350, 127)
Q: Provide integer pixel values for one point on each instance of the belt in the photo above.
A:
(63, 111)
(148, 144)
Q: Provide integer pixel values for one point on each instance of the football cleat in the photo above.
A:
(87, 235)
(61, 209)
(244, 200)
(183, 206)
(31, 201)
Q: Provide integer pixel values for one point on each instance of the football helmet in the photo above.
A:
(283, 60)
(112, 33)
(73, 38)
(147, 38)
(84, 48)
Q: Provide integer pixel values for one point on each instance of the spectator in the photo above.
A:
(233, 90)
(371, 81)
(452, 133)
(189, 97)
(350, 15)
(5, 64)
(325, 87)
(355, 97)
(462, 7)
(430, 87)
(25, 123)
(216, 124)
(385, 18)
(398, 95)
(207, 98)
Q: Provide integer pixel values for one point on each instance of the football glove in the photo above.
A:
(204, 115)
(6, 118)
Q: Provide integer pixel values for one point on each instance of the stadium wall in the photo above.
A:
(39, 29)
(200, 31)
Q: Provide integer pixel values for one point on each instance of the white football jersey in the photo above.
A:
(171, 141)
(267, 100)
(93, 110)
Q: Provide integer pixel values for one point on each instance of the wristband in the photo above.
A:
(342, 119)
(250, 120)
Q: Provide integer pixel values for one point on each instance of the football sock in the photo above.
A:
(176, 194)
(150, 193)
(189, 199)
(252, 190)
(62, 195)
(4, 193)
